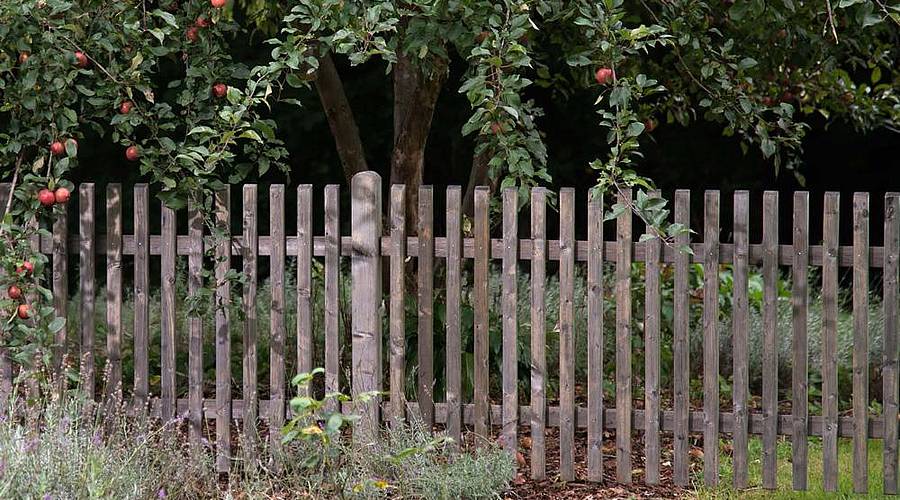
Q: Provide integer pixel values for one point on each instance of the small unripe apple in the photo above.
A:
(220, 90)
(25, 269)
(217, 4)
(57, 148)
(604, 76)
(14, 293)
(81, 59)
(201, 22)
(192, 34)
(23, 57)
(61, 195)
(132, 153)
(23, 311)
(46, 197)
(125, 107)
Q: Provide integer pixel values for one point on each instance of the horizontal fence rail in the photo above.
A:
(379, 236)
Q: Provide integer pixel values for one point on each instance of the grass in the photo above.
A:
(785, 490)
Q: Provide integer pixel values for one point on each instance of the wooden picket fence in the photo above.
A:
(369, 243)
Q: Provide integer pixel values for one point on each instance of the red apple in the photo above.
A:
(218, 4)
(57, 148)
(220, 90)
(604, 76)
(192, 34)
(481, 37)
(768, 101)
(201, 22)
(25, 269)
(496, 128)
(23, 311)
(81, 59)
(132, 153)
(61, 195)
(14, 293)
(23, 57)
(125, 107)
(46, 197)
(649, 125)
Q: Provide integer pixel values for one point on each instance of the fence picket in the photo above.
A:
(567, 334)
(332, 292)
(509, 302)
(860, 341)
(830, 242)
(425, 306)
(167, 314)
(141, 297)
(652, 248)
(250, 380)
(276, 312)
(480, 292)
(223, 336)
(60, 289)
(398, 304)
(195, 326)
(681, 339)
(6, 367)
(740, 334)
(454, 338)
(86, 272)
(114, 289)
(711, 338)
(595, 338)
(623, 340)
(890, 367)
(538, 332)
(770, 339)
(304, 279)
(800, 308)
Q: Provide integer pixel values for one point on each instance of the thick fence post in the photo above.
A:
(365, 265)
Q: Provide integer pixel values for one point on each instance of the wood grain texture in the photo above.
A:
(6, 366)
(141, 393)
(332, 292)
(595, 338)
(481, 297)
(114, 290)
(711, 338)
(860, 341)
(365, 265)
(740, 339)
(304, 279)
(509, 301)
(651, 356)
(681, 349)
(398, 305)
(223, 335)
(167, 314)
(623, 340)
(425, 306)
(770, 340)
(454, 320)
(538, 333)
(830, 241)
(250, 357)
(86, 271)
(60, 290)
(890, 360)
(567, 334)
(195, 326)
(277, 327)
(800, 343)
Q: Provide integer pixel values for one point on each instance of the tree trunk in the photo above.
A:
(340, 118)
(478, 176)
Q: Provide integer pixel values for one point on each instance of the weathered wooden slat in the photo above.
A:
(167, 314)
(86, 273)
(890, 361)
(276, 311)
(860, 341)
(114, 289)
(770, 340)
(799, 346)
(398, 306)
(510, 381)
(651, 357)
(454, 322)
(195, 326)
(366, 301)
(623, 340)
(60, 289)
(250, 356)
(538, 334)
(6, 367)
(740, 338)
(711, 338)
(681, 349)
(567, 334)
(223, 336)
(425, 306)
(480, 292)
(304, 279)
(141, 297)
(830, 240)
(595, 338)
(332, 291)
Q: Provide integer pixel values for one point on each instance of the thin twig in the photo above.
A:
(103, 69)
(886, 13)
(831, 21)
(12, 189)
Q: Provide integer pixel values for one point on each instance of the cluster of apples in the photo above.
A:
(193, 32)
(49, 198)
(23, 311)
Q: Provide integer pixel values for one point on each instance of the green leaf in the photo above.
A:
(747, 63)
(635, 129)
(166, 16)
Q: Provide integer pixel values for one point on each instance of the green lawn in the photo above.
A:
(845, 481)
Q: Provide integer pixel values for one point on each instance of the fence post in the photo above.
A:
(366, 297)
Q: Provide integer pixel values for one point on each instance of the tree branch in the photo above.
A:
(340, 118)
